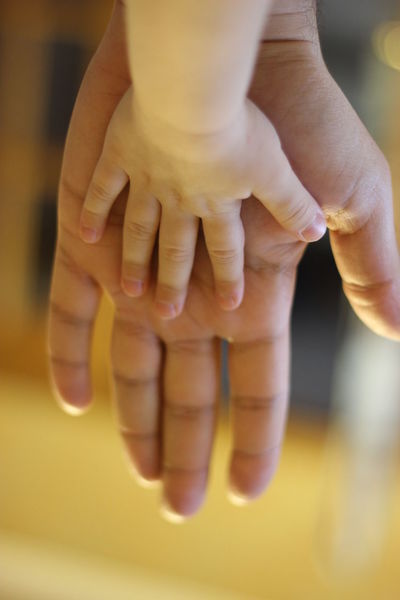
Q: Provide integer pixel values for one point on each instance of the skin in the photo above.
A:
(166, 372)
(192, 146)
(176, 180)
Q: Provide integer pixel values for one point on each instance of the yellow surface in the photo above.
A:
(51, 573)
(64, 482)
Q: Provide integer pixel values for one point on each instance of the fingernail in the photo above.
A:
(149, 484)
(71, 409)
(229, 302)
(315, 231)
(133, 287)
(237, 499)
(89, 235)
(171, 516)
(166, 310)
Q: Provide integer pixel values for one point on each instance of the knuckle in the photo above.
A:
(372, 294)
(99, 192)
(298, 216)
(68, 363)
(168, 291)
(179, 470)
(69, 191)
(357, 207)
(259, 403)
(188, 412)
(269, 454)
(176, 254)
(69, 317)
(194, 347)
(367, 190)
(138, 231)
(225, 256)
(125, 326)
(343, 219)
(134, 269)
(134, 382)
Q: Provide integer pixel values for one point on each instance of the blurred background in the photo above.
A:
(73, 524)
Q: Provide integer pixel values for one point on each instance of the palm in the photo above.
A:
(259, 359)
(271, 258)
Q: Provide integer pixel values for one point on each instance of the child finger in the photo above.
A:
(282, 193)
(177, 243)
(141, 223)
(225, 244)
(107, 183)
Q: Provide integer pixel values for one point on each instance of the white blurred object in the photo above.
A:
(361, 451)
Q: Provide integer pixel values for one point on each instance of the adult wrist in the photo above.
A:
(292, 20)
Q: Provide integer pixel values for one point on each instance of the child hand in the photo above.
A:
(177, 178)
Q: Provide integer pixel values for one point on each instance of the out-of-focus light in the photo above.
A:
(386, 43)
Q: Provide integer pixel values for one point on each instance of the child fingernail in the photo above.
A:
(315, 231)
(133, 287)
(229, 302)
(166, 310)
(88, 234)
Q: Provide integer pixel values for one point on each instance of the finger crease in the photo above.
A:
(189, 412)
(256, 454)
(182, 470)
(370, 287)
(65, 362)
(67, 187)
(190, 346)
(263, 266)
(133, 329)
(139, 435)
(134, 381)
(259, 342)
(65, 259)
(70, 318)
(255, 403)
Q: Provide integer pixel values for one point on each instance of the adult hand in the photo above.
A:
(336, 159)
(174, 365)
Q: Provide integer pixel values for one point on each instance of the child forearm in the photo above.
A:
(191, 61)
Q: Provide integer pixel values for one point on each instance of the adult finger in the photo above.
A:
(366, 254)
(136, 362)
(74, 303)
(106, 80)
(177, 244)
(191, 382)
(140, 229)
(224, 238)
(259, 379)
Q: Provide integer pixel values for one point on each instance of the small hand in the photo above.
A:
(176, 179)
